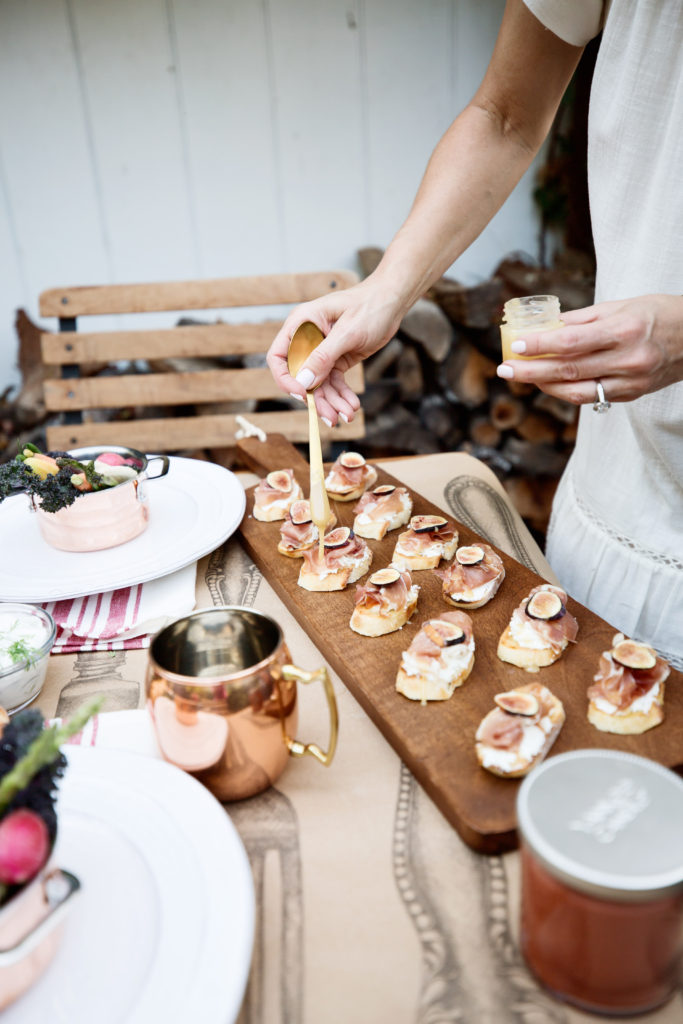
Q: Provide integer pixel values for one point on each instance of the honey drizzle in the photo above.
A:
(320, 506)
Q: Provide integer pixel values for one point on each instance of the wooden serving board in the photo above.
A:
(436, 741)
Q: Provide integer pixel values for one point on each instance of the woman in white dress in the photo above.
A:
(616, 533)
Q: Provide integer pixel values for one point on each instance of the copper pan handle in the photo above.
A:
(58, 887)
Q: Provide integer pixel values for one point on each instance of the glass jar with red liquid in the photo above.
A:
(601, 835)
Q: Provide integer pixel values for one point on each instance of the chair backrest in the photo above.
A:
(81, 398)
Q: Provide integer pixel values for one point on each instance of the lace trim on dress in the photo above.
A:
(658, 557)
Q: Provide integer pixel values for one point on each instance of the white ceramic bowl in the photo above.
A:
(22, 680)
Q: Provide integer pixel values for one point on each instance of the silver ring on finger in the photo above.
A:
(600, 404)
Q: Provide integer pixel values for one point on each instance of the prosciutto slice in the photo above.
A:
(382, 506)
(621, 686)
(412, 543)
(424, 646)
(344, 478)
(461, 580)
(298, 535)
(265, 495)
(504, 730)
(501, 729)
(335, 558)
(382, 599)
(554, 632)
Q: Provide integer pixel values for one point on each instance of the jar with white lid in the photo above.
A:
(526, 315)
(601, 836)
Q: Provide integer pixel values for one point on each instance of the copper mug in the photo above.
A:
(222, 693)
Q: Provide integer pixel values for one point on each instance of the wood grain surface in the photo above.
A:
(156, 296)
(436, 741)
(175, 433)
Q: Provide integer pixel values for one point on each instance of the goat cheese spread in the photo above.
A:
(450, 663)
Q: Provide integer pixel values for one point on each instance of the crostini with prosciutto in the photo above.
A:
(627, 695)
(383, 509)
(298, 532)
(274, 495)
(540, 629)
(349, 477)
(345, 559)
(518, 733)
(473, 577)
(384, 603)
(439, 658)
(429, 539)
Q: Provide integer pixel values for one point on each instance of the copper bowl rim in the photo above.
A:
(85, 451)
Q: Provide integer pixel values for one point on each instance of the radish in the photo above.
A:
(24, 846)
(111, 459)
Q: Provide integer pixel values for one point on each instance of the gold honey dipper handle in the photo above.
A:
(305, 340)
(296, 747)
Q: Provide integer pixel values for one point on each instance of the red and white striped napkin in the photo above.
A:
(122, 619)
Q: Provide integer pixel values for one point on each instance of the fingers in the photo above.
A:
(634, 344)
(276, 359)
(335, 400)
(321, 312)
(346, 395)
(333, 353)
(553, 370)
(586, 330)
(585, 392)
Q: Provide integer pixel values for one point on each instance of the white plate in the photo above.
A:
(193, 509)
(162, 929)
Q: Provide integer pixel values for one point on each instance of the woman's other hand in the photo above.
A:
(633, 346)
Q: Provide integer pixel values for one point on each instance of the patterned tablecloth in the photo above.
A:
(369, 906)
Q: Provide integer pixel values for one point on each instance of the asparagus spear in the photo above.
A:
(43, 751)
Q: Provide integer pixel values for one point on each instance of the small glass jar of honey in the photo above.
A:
(601, 835)
(527, 315)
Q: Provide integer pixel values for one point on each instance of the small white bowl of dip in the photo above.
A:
(27, 634)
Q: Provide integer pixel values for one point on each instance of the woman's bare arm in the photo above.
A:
(472, 171)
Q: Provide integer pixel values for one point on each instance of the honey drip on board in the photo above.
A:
(320, 506)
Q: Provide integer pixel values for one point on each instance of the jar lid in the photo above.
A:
(606, 823)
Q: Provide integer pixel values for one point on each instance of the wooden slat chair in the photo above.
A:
(76, 395)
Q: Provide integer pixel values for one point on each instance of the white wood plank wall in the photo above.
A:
(168, 139)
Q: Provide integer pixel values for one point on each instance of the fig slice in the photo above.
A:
(443, 634)
(280, 480)
(385, 577)
(545, 605)
(516, 703)
(472, 555)
(300, 512)
(339, 537)
(384, 489)
(631, 654)
(351, 460)
(427, 524)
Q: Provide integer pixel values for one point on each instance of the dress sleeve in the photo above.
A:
(576, 21)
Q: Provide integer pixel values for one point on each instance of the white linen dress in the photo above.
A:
(615, 537)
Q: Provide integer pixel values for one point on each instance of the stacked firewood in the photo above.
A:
(434, 386)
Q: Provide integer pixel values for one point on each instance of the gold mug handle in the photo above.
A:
(295, 747)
